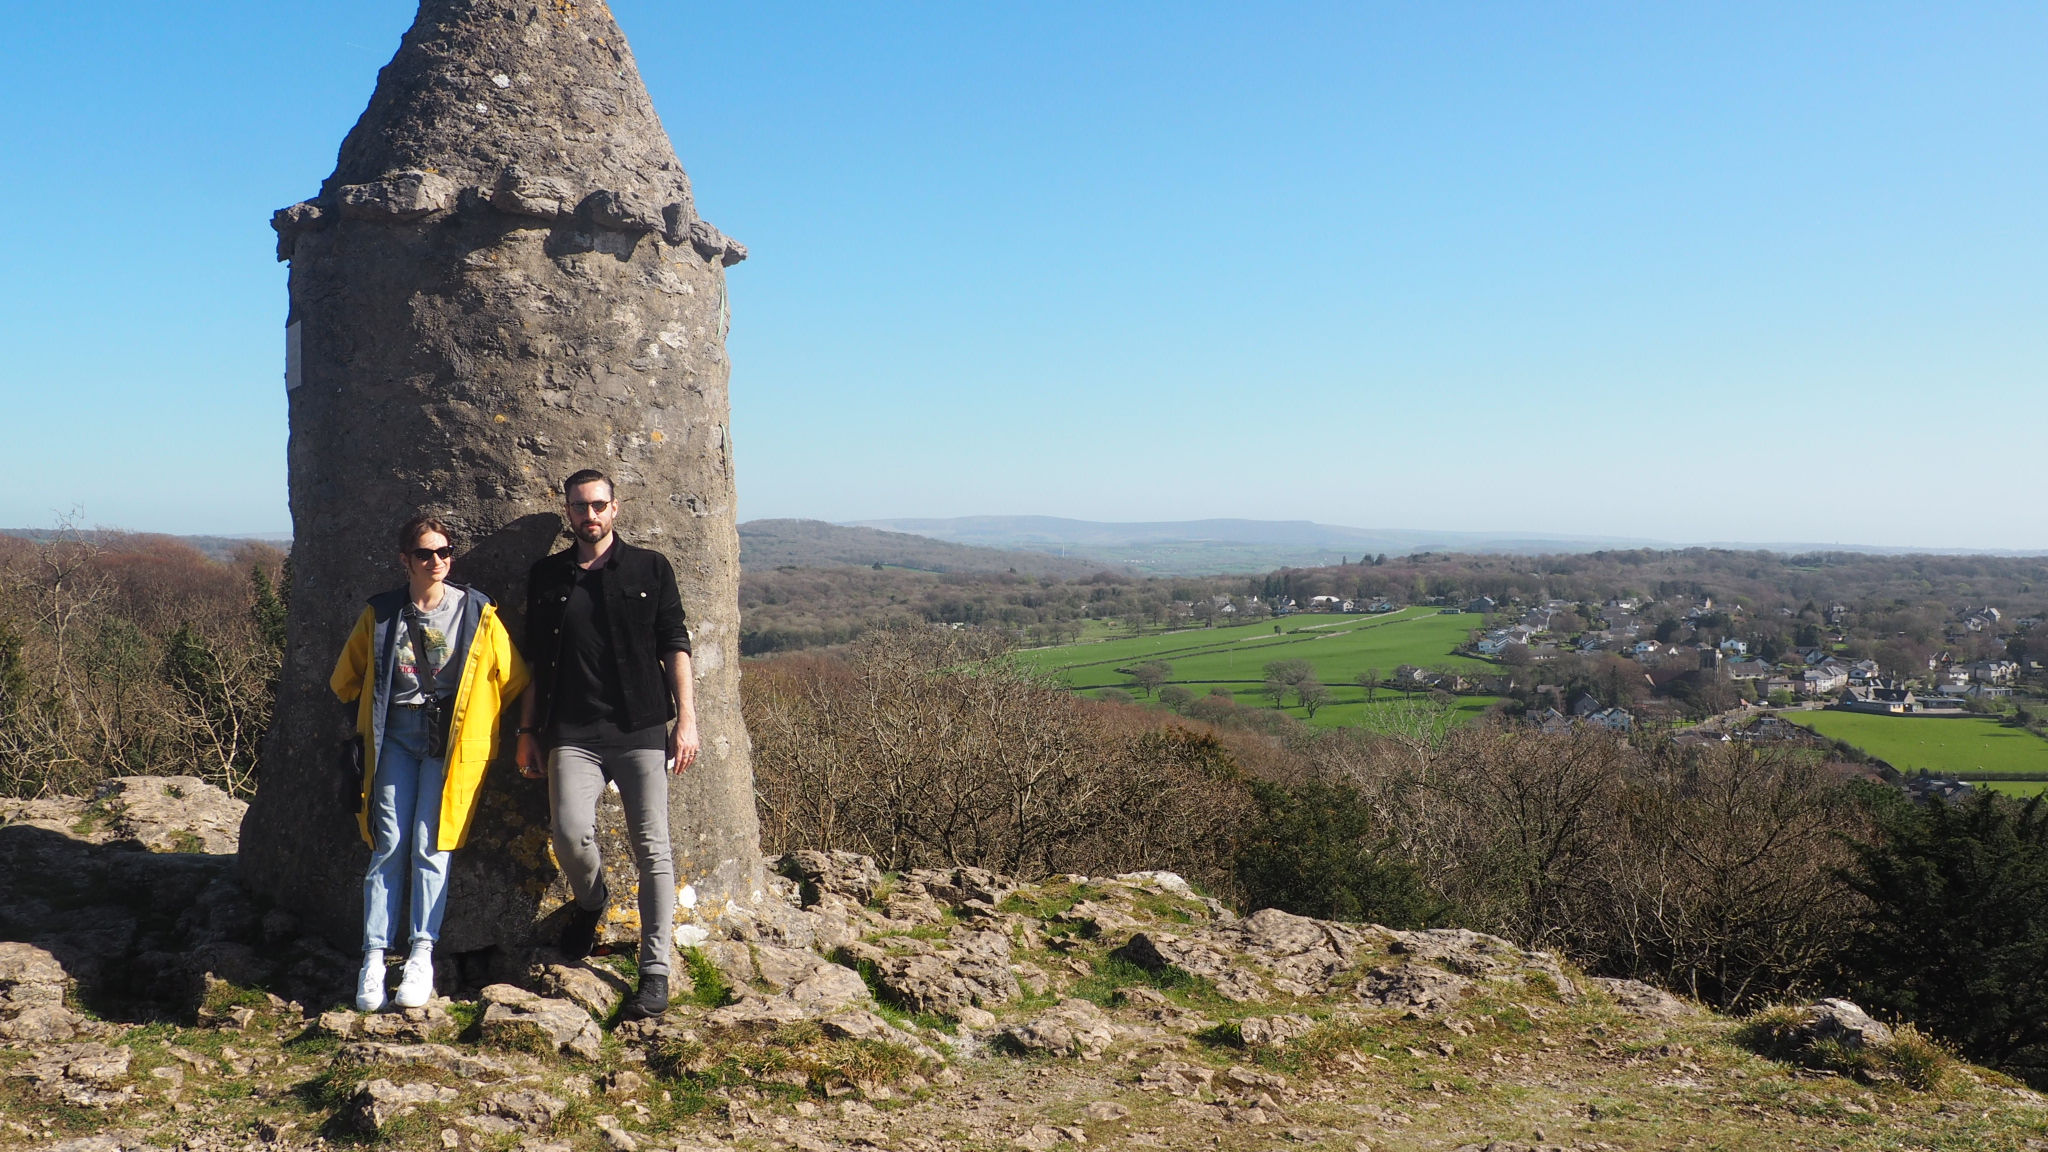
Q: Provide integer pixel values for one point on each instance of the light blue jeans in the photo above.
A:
(405, 819)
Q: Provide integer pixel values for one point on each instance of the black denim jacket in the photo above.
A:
(644, 613)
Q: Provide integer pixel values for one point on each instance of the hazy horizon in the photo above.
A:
(1447, 537)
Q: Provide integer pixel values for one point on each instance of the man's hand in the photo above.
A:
(528, 756)
(683, 745)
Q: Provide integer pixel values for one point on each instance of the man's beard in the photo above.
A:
(591, 533)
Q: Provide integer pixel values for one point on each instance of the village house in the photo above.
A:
(1894, 699)
(1482, 605)
(1612, 719)
(1992, 671)
(1951, 679)
(1746, 670)
(1982, 620)
(1823, 680)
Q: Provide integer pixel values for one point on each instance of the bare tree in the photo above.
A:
(1290, 672)
(1150, 675)
(1311, 694)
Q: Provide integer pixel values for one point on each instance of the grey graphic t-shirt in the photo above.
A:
(439, 629)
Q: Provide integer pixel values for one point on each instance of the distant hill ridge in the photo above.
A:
(219, 548)
(770, 544)
(1200, 547)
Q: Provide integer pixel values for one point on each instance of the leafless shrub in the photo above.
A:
(931, 747)
(1727, 883)
(1713, 871)
(127, 654)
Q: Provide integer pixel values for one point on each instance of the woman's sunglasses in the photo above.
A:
(423, 555)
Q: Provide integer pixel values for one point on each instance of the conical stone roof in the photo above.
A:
(536, 109)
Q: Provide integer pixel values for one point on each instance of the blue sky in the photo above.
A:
(1690, 272)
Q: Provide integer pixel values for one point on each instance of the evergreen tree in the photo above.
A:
(1317, 851)
(1955, 935)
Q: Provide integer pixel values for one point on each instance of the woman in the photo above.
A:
(439, 666)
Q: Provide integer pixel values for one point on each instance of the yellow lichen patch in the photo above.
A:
(500, 418)
(532, 848)
(655, 435)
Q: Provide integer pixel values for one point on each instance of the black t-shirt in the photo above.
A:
(587, 700)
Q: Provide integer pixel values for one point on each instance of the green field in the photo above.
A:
(1940, 744)
(2015, 787)
(1338, 647)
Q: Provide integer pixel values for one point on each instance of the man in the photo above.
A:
(611, 668)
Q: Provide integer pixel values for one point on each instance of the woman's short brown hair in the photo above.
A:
(411, 531)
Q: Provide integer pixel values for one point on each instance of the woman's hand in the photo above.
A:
(528, 756)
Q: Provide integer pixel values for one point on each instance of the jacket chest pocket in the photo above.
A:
(636, 601)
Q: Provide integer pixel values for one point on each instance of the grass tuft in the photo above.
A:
(1912, 1059)
(710, 989)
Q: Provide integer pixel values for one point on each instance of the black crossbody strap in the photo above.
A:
(430, 685)
(415, 626)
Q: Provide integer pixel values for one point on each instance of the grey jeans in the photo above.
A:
(576, 778)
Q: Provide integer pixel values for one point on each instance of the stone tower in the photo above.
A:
(504, 280)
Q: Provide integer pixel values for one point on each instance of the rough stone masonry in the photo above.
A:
(504, 280)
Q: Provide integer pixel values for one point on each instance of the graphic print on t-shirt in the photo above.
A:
(437, 629)
(437, 651)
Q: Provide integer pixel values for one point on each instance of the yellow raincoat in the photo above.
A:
(493, 676)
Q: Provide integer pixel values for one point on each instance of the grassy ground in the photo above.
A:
(1939, 744)
(1518, 1062)
(1338, 647)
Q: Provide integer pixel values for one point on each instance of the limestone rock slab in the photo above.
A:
(516, 1018)
(380, 1102)
(32, 985)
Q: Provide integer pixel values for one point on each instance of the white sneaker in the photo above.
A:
(416, 981)
(370, 983)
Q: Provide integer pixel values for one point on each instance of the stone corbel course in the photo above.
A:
(411, 195)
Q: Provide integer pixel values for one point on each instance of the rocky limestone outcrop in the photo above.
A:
(519, 1019)
(131, 892)
(32, 987)
(379, 1102)
(802, 969)
(1645, 1000)
(1075, 1028)
(446, 1058)
(87, 1075)
(970, 970)
(173, 814)
(1840, 1022)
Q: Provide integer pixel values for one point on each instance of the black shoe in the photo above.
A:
(650, 1002)
(579, 935)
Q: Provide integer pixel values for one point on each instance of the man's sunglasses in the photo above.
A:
(423, 555)
(589, 507)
